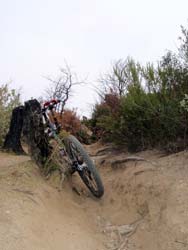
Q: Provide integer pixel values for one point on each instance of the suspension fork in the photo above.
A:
(55, 120)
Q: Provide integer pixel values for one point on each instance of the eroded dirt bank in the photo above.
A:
(145, 205)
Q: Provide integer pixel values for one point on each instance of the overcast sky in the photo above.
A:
(37, 36)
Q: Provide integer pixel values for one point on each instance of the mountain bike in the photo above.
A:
(70, 147)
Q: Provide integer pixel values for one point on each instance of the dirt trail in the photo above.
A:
(145, 205)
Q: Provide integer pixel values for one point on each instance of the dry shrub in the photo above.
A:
(112, 100)
(70, 121)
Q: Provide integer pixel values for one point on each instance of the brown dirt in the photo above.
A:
(144, 207)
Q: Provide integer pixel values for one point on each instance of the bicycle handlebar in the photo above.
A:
(51, 102)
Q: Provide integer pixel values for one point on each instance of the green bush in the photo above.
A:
(9, 99)
(151, 106)
(147, 122)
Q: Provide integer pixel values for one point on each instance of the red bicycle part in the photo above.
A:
(48, 103)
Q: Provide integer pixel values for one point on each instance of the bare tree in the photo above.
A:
(117, 80)
(61, 87)
(122, 75)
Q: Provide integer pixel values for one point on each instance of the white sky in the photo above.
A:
(37, 36)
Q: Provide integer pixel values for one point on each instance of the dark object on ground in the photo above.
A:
(12, 140)
(33, 132)
(27, 120)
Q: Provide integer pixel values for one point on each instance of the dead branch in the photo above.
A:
(61, 87)
(181, 242)
(33, 200)
(114, 163)
(117, 80)
(130, 158)
(23, 191)
(123, 233)
(104, 150)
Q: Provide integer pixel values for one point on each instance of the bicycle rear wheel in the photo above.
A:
(85, 166)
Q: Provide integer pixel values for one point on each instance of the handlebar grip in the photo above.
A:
(53, 101)
(46, 104)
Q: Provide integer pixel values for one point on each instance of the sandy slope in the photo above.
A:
(145, 206)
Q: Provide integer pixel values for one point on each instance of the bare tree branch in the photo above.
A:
(121, 76)
(61, 87)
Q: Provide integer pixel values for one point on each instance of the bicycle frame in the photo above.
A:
(53, 126)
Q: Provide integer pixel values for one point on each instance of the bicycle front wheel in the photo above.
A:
(87, 169)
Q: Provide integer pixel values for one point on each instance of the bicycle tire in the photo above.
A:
(91, 169)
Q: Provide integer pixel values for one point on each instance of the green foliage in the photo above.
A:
(9, 99)
(183, 49)
(151, 110)
(184, 103)
(147, 121)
